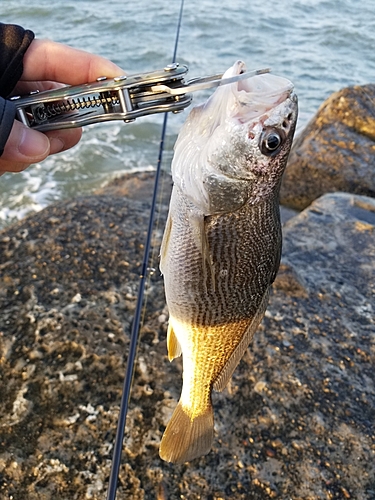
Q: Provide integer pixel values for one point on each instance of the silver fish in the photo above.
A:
(222, 243)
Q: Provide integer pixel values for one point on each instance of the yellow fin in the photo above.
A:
(186, 438)
(173, 345)
(223, 378)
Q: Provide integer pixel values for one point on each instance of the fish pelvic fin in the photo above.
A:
(224, 376)
(173, 345)
(187, 437)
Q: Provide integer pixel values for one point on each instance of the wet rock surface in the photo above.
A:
(336, 151)
(298, 418)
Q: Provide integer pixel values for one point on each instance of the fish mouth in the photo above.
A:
(265, 84)
(258, 94)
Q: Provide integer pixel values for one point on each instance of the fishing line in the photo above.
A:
(117, 449)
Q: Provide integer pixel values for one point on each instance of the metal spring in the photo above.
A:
(56, 108)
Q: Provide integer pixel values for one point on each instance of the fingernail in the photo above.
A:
(33, 144)
(56, 145)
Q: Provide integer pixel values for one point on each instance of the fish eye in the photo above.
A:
(270, 142)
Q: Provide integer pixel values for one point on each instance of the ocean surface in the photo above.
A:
(322, 46)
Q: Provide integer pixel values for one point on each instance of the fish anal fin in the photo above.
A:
(223, 378)
(186, 437)
(173, 345)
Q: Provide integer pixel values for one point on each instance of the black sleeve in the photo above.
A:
(14, 41)
(7, 115)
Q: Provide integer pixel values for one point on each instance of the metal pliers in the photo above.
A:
(121, 98)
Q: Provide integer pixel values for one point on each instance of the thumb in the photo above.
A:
(25, 145)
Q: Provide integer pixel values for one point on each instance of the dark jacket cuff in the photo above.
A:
(7, 115)
(14, 41)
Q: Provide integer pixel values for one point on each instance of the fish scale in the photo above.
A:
(235, 245)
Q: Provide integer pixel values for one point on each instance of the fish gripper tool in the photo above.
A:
(120, 98)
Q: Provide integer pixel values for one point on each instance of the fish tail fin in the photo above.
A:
(186, 437)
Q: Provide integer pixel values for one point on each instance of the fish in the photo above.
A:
(221, 247)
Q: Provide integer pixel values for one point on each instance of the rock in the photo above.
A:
(139, 187)
(336, 151)
(297, 419)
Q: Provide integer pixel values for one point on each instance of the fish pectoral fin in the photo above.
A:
(165, 244)
(186, 437)
(201, 240)
(224, 376)
(173, 345)
(206, 255)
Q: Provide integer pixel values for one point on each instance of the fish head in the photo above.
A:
(233, 149)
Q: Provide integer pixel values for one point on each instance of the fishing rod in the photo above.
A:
(117, 449)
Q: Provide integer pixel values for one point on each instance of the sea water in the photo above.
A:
(322, 46)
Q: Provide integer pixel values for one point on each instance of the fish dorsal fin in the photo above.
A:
(173, 345)
(224, 376)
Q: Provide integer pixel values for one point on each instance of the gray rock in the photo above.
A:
(297, 419)
(335, 152)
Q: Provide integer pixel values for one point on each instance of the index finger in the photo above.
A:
(48, 60)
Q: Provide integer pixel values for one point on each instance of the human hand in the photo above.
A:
(47, 65)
